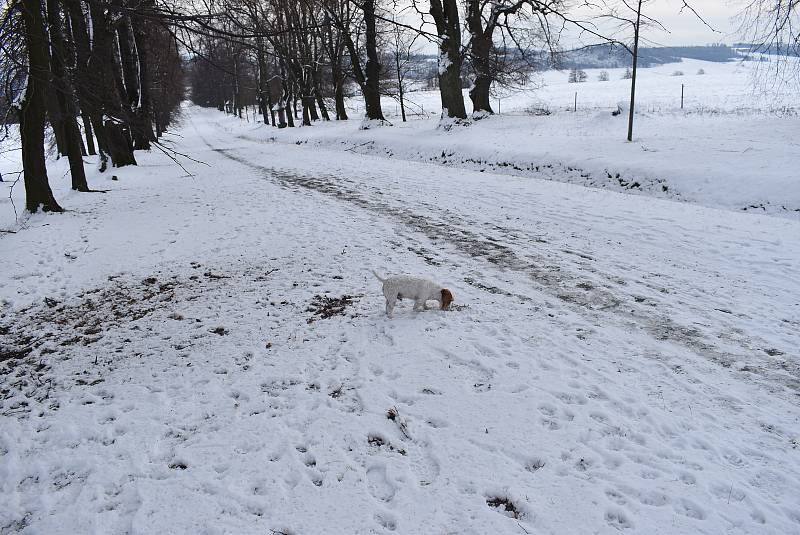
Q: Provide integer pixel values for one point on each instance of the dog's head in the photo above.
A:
(446, 299)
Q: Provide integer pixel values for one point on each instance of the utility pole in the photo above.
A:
(633, 77)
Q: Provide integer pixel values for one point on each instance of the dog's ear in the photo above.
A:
(447, 298)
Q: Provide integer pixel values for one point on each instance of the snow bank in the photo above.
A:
(736, 162)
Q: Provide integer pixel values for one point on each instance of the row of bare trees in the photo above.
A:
(282, 52)
(105, 75)
(306, 50)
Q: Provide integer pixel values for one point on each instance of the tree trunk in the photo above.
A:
(281, 116)
(372, 94)
(307, 103)
(290, 112)
(132, 62)
(445, 15)
(65, 97)
(271, 108)
(323, 110)
(96, 119)
(264, 97)
(56, 120)
(284, 113)
(120, 146)
(310, 102)
(338, 93)
(121, 99)
(83, 81)
(479, 54)
(237, 99)
(87, 132)
(400, 85)
(369, 86)
(32, 112)
(128, 63)
(335, 49)
(109, 90)
(143, 114)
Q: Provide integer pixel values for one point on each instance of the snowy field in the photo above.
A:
(724, 88)
(208, 352)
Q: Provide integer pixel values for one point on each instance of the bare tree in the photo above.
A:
(334, 43)
(66, 120)
(772, 27)
(32, 111)
(484, 18)
(371, 79)
(400, 43)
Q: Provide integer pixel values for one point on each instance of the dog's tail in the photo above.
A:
(377, 276)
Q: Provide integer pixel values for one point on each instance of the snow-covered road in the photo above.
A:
(613, 362)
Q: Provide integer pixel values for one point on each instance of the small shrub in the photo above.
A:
(577, 75)
(627, 75)
(677, 73)
(603, 76)
(701, 72)
(538, 110)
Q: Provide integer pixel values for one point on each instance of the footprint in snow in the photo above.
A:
(386, 520)
(378, 483)
(689, 508)
(618, 519)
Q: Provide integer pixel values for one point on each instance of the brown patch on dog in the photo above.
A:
(447, 298)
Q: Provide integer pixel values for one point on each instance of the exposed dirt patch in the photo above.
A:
(324, 307)
(381, 443)
(504, 505)
(33, 338)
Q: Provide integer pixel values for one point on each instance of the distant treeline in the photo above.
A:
(604, 57)
(774, 49)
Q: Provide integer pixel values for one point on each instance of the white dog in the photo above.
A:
(408, 287)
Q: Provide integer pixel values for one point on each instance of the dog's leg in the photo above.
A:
(419, 305)
(390, 301)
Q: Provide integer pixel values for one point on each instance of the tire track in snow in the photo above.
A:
(575, 291)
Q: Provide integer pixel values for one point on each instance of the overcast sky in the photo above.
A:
(686, 29)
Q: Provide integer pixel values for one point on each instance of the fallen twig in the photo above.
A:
(394, 415)
(167, 150)
(361, 145)
(11, 193)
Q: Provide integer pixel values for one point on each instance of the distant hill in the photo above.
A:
(613, 56)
